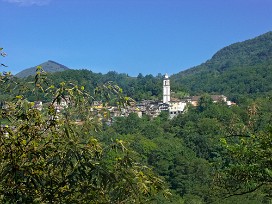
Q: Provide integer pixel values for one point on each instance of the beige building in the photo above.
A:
(176, 107)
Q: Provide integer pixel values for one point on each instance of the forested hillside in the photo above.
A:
(240, 69)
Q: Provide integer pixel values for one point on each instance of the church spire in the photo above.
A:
(166, 89)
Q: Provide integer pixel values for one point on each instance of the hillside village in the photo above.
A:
(150, 108)
(153, 108)
(172, 105)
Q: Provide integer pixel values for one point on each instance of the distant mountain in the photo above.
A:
(49, 66)
(243, 68)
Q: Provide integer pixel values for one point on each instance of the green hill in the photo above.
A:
(243, 68)
(49, 66)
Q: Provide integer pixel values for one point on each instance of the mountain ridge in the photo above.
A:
(49, 66)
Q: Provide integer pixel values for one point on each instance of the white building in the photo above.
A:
(176, 107)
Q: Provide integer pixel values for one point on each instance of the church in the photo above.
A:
(175, 106)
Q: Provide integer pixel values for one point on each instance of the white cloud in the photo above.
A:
(29, 2)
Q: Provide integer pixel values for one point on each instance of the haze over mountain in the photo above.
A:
(241, 68)
(49, 66)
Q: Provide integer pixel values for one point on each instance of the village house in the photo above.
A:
(176, 107)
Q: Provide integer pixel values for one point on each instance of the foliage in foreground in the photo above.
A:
(47, 157)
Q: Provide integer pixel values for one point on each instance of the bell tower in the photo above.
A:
(166, 89)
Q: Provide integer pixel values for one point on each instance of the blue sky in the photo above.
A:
(127, 36)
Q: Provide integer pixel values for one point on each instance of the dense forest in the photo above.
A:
(211, 153)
